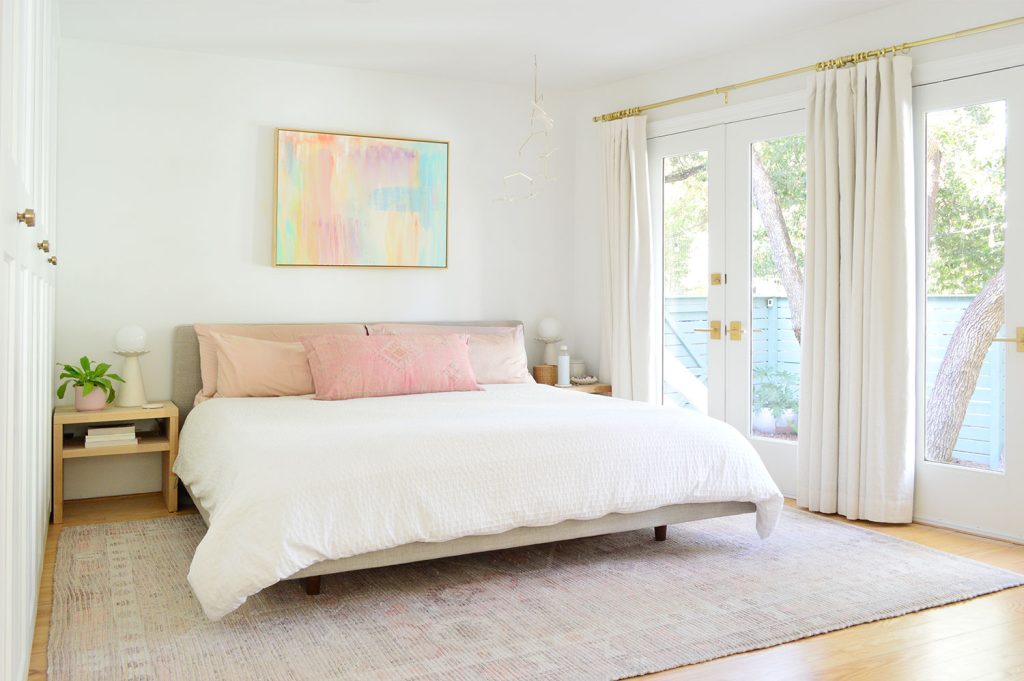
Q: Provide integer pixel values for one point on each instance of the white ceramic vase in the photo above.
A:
(764, 421)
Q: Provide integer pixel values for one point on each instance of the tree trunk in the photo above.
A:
(778, 239)
(958, 373)
(683, 173)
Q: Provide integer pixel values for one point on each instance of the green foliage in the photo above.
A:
(969, 220)
(776, 389)
(785, 161)
(88, 377)
(686, 218)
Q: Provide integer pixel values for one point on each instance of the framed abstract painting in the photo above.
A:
(360, 201)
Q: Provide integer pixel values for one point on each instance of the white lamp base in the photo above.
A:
(131, 393)
(550, 348)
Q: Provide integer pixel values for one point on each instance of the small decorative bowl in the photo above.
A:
(584, 380)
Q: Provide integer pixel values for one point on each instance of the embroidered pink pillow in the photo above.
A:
(346, 367)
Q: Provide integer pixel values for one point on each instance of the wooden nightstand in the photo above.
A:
(69, 446)
(595, 388)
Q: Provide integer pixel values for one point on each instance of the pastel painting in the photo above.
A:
(350, 200)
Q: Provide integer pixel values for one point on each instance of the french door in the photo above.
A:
(969, 156)
(730, 202)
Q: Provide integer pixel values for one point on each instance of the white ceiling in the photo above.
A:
(580, 43)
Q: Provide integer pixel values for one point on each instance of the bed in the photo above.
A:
(296, 488)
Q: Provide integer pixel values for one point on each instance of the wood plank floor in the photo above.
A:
(978, 639)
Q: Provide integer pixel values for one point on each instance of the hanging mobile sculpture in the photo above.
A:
(534, 153)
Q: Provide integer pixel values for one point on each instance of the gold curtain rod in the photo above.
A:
(820, 66)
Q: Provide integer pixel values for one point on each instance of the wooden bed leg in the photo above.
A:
(661, 533)
(312, 585)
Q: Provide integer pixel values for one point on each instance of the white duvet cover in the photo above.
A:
(289, 482)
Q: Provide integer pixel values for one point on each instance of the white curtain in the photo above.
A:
(857, 397)
(631, 314)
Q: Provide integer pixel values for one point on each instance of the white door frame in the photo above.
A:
(976, 500)
(712, 141)
(779, 456)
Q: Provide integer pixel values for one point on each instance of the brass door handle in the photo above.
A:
(736, 331)
(715, 332)
(52, 260)
(43, 246)
(1018, 339)
(28, 216)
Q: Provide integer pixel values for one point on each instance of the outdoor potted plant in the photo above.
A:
(93, 387)
(776, 399)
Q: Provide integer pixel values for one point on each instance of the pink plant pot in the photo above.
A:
(94, 401)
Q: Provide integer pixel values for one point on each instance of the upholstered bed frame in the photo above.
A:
(187, 381)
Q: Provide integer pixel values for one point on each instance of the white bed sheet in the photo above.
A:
(289, 482)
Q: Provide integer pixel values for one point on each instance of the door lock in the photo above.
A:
(715, 332)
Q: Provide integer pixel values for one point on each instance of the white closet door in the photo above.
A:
(27, 79)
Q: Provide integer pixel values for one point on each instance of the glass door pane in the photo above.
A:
(778, 219)
(966, 230)
(685, 209)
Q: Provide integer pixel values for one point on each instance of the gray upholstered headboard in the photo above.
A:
(186, 379)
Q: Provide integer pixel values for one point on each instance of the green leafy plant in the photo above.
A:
(775, 389)
(88, 377)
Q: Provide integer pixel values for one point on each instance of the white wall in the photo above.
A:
(165, 202)
(896, 24)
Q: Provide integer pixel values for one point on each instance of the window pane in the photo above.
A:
(966, 226)
(686, 280)
(778, 222)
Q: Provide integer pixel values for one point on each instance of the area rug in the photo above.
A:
(599, 608)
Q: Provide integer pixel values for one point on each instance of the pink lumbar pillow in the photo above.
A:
(497, 353)
(345, 367)
(286, 333)
(251, 367)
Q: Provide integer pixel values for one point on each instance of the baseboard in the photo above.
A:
(973, 531)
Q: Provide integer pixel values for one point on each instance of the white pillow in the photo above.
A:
(496, 353)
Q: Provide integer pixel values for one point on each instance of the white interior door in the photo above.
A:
(730, 349)
(26, 316)
(969, 156)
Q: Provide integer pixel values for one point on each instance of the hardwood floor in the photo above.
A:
(978, 639)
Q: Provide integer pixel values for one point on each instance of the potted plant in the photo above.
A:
(93, 387)
(776, 400)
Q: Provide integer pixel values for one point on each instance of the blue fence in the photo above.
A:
(774, 345)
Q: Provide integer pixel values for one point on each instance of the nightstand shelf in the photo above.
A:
(72, 446)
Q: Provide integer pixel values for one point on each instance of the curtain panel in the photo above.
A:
(631, 268)
(858, 401)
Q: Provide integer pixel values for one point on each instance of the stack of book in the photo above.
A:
(110, 436)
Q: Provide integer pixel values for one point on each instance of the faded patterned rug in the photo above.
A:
(599, 608)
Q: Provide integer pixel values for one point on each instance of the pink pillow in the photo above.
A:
(345, 367)
(497, 353)
(277, 332)
(251, 367)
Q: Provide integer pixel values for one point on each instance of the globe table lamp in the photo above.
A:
(130, 343)
(549, 332)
